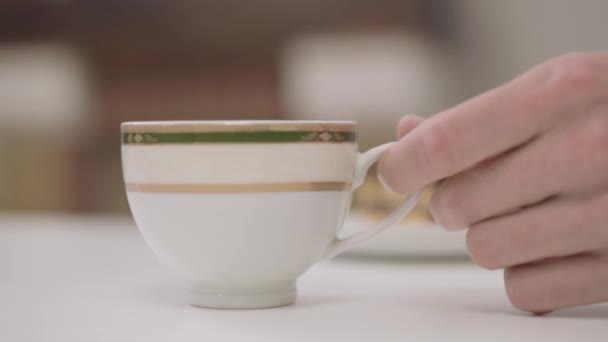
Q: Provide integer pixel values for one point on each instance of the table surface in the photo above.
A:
(92, 278)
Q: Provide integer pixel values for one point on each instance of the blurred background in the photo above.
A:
(72, 71)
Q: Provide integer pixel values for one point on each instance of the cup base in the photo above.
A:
(256, 298)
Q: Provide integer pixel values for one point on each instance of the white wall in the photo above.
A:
(500, 39)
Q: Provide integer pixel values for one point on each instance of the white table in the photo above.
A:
(91, 278)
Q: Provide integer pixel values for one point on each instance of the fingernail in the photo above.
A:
(441, 223)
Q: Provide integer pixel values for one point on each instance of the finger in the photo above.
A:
(562, 162)
(407, 124)
(558, 227)
(458, 138)
(558, 283)
(491, 123)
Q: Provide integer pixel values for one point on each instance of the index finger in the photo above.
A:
(465, 135)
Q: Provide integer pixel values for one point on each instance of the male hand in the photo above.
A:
(523, 167)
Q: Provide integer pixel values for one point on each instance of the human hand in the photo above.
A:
(525, 168)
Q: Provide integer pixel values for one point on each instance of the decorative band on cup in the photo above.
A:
(262, 131)
(238, 137)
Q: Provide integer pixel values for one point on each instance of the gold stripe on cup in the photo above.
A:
(238, 188)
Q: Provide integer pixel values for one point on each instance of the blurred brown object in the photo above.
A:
(158, 60)
(39, 176)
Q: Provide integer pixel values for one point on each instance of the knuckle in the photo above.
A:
(435, 147)
(481, 249)
(597, 134)
(576, 73)
(434, 143)
(590, 140)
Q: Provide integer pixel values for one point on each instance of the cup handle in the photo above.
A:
(364, 162)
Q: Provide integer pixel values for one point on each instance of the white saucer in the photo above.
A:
(411, 239)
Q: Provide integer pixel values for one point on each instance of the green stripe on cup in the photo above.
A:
(238, 137)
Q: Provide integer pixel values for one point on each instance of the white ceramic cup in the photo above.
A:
(240, 209)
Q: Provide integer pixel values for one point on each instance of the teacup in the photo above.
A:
(240, 209)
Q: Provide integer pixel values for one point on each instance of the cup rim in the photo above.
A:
(204, 126)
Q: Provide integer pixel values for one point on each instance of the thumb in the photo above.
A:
(407, 124)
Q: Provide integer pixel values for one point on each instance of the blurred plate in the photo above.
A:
(415, 239)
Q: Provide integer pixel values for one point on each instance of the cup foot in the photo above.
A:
(254, 298)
